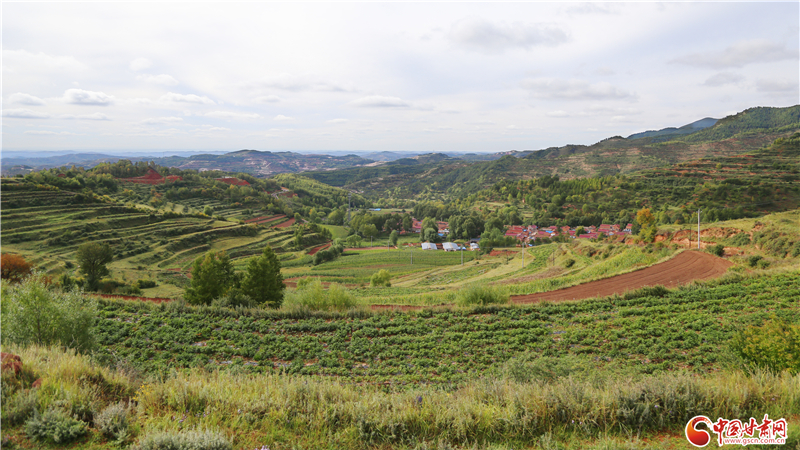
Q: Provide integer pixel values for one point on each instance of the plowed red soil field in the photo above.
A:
(314, 250)
(683, 268)
(288, 223)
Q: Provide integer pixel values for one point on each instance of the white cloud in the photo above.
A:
(161, 120)
(740, 54)
(94, 116)
(82, 97)
(140, 64)
(26, 99)
(162, 79)
(49, 133)
(552, 88)
(591, 8)
(492, 38)
(186, 98)
(24, 114)
(24, 63)
(379, 101)
(723, 78)
(337, 121)
(232, 115)
(282, 118)
(296, 83)
(768, 85)
(559, 113)
(267, 99)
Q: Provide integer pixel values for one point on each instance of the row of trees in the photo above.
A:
(214, 279)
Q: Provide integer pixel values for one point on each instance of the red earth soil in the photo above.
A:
(288, 223)
(263, 219)
(314, 250)
(11, 362)
(355, 249)
(683, 268)
(501, 252)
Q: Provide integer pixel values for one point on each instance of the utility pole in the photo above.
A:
(349, 201)
(523, 253)
(698, 229)
(411, 250)
(462, 255)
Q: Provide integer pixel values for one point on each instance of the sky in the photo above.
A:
(421, 77)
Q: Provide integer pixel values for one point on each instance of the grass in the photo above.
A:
(603, 410)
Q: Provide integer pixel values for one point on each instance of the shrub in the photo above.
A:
(762, 264)
(19, 407)
(145, 284)
(775, 346)
(381, 278)
(718, 250)
(54, 426)
(113, 421)
(187, 440)
(34, 314)
(315, 297)
(569, 263)
(753, 260)
(14, 268)
(234, 298)
(476, 294)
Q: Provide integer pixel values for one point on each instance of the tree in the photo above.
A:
(380, 278)
(263, 281)
(393, 236)
(645, 218)
(92, 259)
(14, 268)
(34, 314)
(369, 230)
(212, 276)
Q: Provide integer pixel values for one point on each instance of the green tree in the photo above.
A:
(263, 281)
(393, 237)
(369, 230)
(381, 278)
(92, 259)
(212, 276)
(32, 313)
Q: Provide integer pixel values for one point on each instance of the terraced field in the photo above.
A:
(46, 226)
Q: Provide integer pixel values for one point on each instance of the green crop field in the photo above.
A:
(688, 328)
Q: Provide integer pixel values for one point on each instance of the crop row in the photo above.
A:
(686, 328)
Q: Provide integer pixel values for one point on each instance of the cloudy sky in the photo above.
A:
(383, 76)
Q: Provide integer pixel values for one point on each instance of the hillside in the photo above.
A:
(732, 136)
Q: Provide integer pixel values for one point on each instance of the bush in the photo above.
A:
(762, 264)
(718, 250)
(381, 278)
(19, 407)
(476, 294)
(234, 298)
(55, 426)
(145, 284)
(14, 268)
(187, 440)
(34, 314)
(315, 297)
(753, 260)
(113, 421)
(569, 263)
(775, 346)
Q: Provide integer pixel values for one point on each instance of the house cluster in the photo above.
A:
(532, 232)
(449, 246)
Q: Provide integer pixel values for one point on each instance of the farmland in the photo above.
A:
(602, 332)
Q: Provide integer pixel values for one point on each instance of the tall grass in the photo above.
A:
(312, 412)
(314, 297)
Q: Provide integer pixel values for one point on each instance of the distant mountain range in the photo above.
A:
(612, 155)
(672, 131)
